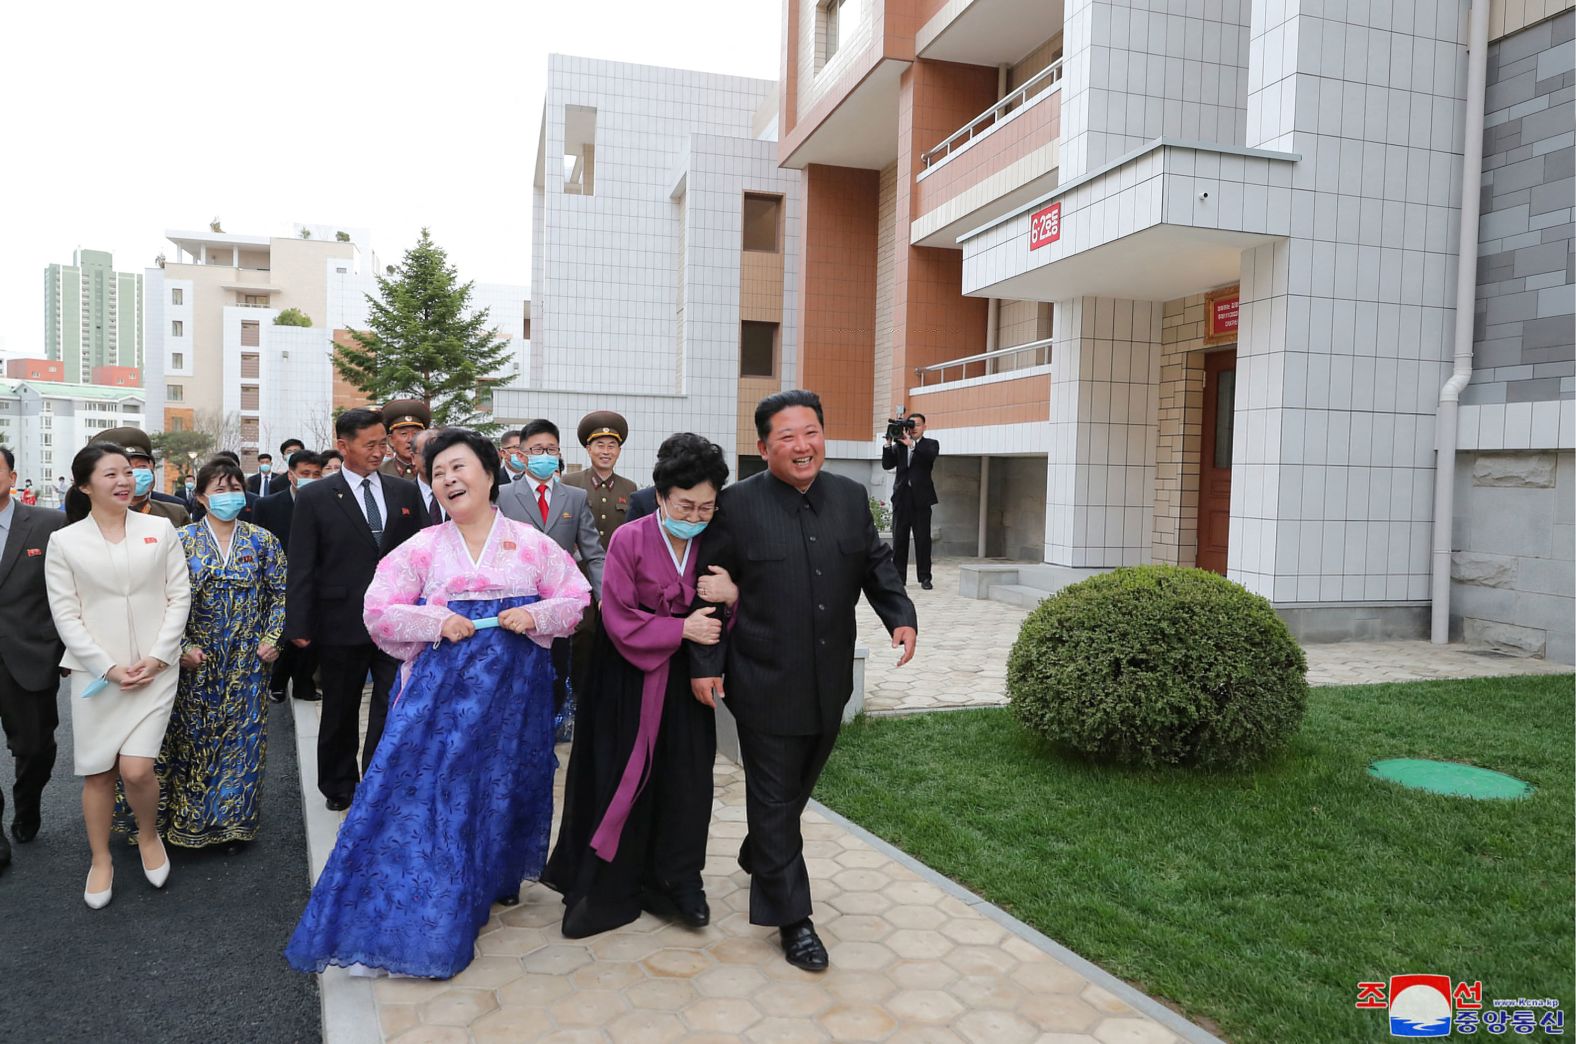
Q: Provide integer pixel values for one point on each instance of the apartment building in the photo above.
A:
(1176, 281)
(664, 257)
(92, 314)
(45, 422)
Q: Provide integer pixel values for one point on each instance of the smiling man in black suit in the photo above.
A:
(341, 528)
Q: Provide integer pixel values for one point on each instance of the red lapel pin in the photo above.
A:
(34, 552)
(150, 540)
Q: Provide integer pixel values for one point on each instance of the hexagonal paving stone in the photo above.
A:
(457, 1007)
(911, 915)
(785, 1031)
(622, 946)
(1058, 1012)
(745, 949)
(556, 959)
(858, 987)
(924, 1006)
(858, 928)
(661, 994)
(859, 902)
(721, 1015)
(922, 975)
(677, 964)
(509, 1025)
(487, 973)
(861, 858)
(532, 915)
(607, 975)
(589, 1008)
(974, 931)
(407, 991)
(434, 1035)
(1105, 1001)
(918, 944)
(730, 980)
(980, 960)
(1048, 976)
(862, 880)
(533, 990)
(995, 1027)
(646, 1027)
(861, 956)
(856, 1022)
(988, 991)
(1132, 1031)
(793, 1000)
(924, 1035)
(511, 942)
(395, 1019)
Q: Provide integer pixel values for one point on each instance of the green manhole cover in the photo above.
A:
(1448, 777)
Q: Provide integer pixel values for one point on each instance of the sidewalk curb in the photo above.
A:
(1129, 995)
(350, 1016)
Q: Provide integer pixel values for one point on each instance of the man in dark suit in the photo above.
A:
(274, 514)
(29, 655)
(913, 495)
(801, 546)
(265, 473)
(341, 527)
(278, 482)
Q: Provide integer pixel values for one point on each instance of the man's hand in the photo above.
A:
(906, 637)
(267, 652)
(707, 690)
(300, 643)
(457, 628)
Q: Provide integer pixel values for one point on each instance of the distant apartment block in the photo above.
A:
(92, 314)
(44, 422)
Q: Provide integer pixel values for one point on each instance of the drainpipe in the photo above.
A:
(1448, 416)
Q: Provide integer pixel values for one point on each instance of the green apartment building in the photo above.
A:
(92, 314)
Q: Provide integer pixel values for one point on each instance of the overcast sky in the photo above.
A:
(121, 120)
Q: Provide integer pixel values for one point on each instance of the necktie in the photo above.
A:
(434, 510)
(541, 501)
(374, 516)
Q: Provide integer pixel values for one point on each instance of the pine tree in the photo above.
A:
(422, 344)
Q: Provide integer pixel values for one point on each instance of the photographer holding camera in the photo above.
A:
(912, 455)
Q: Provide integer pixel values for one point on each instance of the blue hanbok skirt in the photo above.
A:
(453, 813)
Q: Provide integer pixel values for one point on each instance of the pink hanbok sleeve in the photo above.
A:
(563, 590)
(396, 623)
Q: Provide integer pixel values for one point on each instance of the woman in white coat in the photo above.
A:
(119, 591)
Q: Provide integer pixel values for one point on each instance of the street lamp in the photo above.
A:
(191, 455)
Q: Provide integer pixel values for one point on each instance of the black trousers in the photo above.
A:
(295, 667)
(30, 719)
(908, 517)
(779, 776)
(344, 669)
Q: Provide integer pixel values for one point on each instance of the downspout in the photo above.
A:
(992, 342)
(1448, 417)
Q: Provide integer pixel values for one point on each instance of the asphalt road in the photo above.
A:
(199, 961)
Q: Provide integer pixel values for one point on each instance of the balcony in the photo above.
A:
(999, 160)
(984, 32)
(982, 400)
(986, 364)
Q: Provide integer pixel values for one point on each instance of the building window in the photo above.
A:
(177, 360)
(579, 150)
(833, 19)
(254, 300)
(174, 393)
(250, 334)
(177, 296)
(763, 222)
(177, 423)
(177, 328)
(757, 349)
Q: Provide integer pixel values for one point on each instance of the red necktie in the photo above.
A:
(541, 501)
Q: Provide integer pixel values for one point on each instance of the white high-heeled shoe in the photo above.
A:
(156, 878)
(99, 900)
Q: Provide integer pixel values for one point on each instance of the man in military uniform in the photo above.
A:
(602, 434)
(404, 418)
(144, 498)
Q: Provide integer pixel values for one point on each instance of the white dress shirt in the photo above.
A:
(375, 481)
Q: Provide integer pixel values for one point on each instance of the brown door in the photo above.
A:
(1214, 486)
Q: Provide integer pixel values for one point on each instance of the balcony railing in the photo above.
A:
(1002, 360)
(1013, 100)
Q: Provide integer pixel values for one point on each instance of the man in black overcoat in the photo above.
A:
(341, 527)
(801, 546)
(913, 495)
(295, 666)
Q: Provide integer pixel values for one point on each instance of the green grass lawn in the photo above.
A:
(1256, 902)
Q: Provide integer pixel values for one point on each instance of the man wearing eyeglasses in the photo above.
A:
(563, 513)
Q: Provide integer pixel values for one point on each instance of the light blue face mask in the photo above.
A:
(144, 478)
(265, 468)
(226, 506)
(514, 463)
(543, 467)
(304, 481)
(682, 529)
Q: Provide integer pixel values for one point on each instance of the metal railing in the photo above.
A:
(1002, 360)
(1014, 99)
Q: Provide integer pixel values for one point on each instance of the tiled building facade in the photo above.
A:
(1194, 262)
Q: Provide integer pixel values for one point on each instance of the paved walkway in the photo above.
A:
(964, 642)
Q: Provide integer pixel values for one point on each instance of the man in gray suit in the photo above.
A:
(560, 511)
(29, 656)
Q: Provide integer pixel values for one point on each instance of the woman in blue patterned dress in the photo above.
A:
(212, 761)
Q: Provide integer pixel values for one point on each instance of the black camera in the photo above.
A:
(898, 426)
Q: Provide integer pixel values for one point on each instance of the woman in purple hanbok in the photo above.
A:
(637, 800)
(456, 807)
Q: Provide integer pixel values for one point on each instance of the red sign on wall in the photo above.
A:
(1223, 314)
(1045, 226)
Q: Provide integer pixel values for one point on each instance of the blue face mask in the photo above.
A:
(304, 481)
(682, 529)
(265, 468)
(226, 506)
(144, 478)
(514, 464)
(543, 467)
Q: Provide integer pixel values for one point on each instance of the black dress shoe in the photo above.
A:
(25, 828)
(802, 947)
(337, 804)
(925, 584)
(5, 852)
(688, 907)
(276, 696)
(512, 899)
(312, 697)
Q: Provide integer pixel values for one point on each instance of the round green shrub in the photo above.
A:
(1159, 665)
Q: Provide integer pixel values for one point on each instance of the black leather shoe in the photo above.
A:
(688, 907)
(925, 584)
(337, 804)
(25, 828)
(312, 697)
(512, 899)
(5, 853)
(802, 947)
(276, 696)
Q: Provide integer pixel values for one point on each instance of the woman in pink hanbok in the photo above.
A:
(456, 807)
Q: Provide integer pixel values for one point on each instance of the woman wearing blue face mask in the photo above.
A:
(211, 763)
(637, 799)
